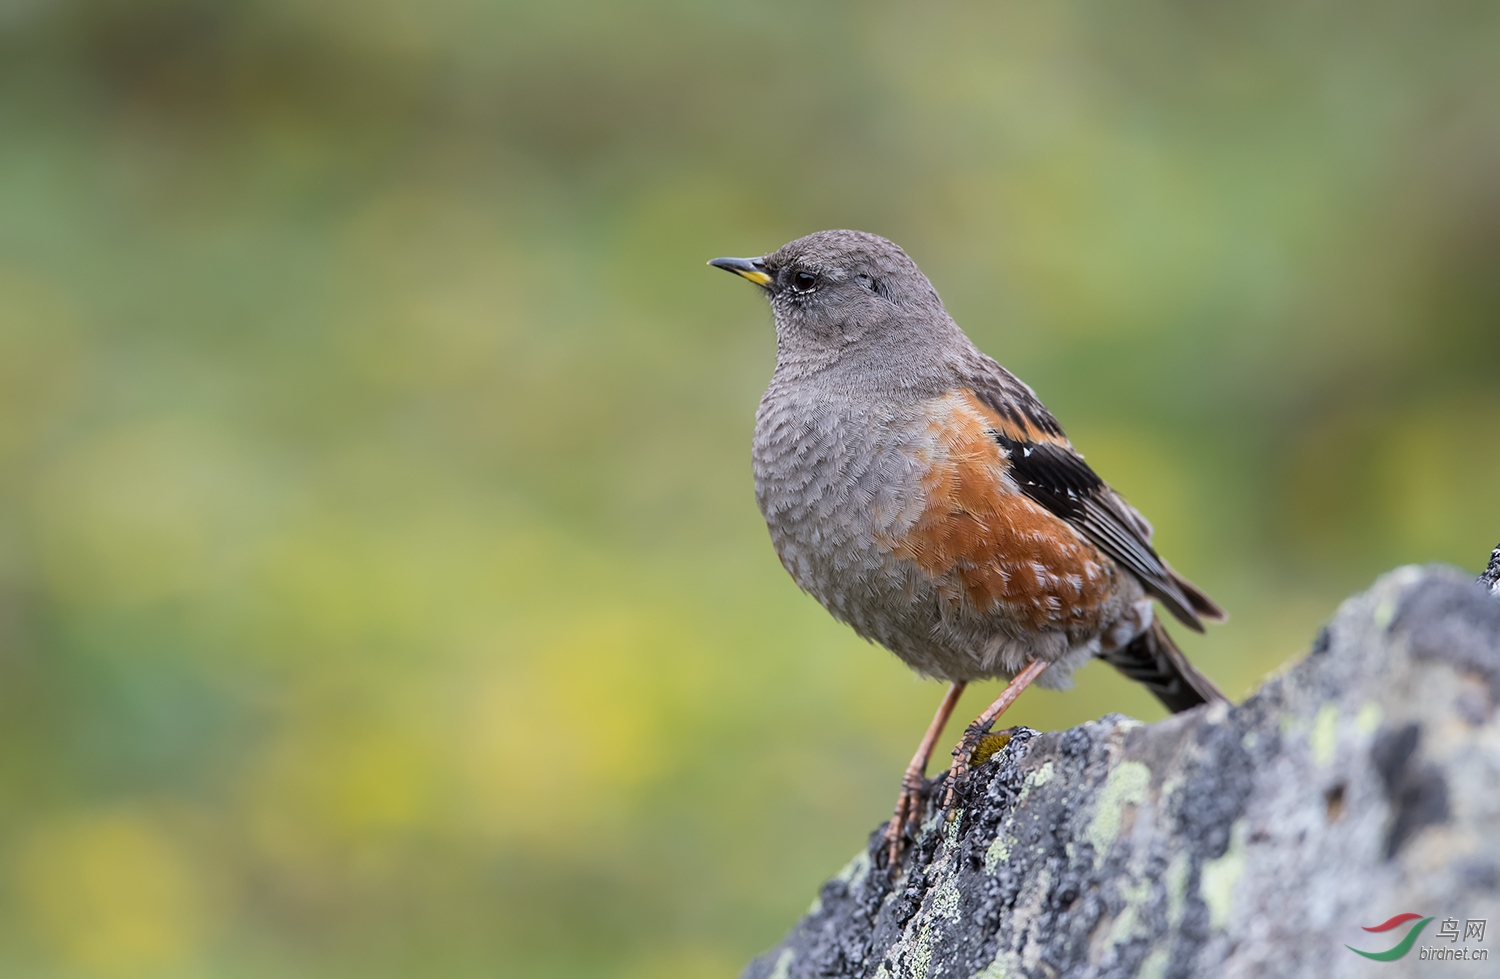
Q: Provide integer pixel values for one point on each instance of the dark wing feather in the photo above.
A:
(1153, 659)
(1049, 471)
(1057, 477)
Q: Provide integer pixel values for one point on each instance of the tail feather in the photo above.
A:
(1204, 606)
(1153, 659)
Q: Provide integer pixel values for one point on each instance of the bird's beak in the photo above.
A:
(753, 269)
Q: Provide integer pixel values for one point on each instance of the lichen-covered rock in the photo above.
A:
(1255, 840)
(1491, 577)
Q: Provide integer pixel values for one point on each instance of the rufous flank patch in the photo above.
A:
(1003, 548)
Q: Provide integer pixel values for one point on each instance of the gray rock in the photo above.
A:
(1255, 840)
(1491, 577)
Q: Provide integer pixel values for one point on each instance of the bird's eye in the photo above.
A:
(804, 281)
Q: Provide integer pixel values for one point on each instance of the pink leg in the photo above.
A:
(915, 780)
(975, 731)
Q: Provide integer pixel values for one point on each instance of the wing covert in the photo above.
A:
(1050, 471)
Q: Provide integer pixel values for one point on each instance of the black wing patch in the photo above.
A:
(1055, 476)
(1049, 471)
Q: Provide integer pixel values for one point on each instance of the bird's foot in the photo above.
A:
(964, 753)
(974, 733)
(985, 747)
(908, 810)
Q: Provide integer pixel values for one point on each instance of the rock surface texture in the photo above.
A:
(1361, 783)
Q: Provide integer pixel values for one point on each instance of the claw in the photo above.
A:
(908, 810)
(980, 749)
(963, 755)
(974, 734)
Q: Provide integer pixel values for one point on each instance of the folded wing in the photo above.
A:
(1050, 471)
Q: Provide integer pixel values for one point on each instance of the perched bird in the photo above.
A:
(925, 497)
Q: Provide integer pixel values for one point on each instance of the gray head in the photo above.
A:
(839, 295)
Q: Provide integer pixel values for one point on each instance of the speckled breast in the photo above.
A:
(902, 520)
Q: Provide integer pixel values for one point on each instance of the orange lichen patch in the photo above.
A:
(1014, 425)
(999, 546)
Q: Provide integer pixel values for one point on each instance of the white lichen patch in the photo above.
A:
(1035, 780)
(1368, 718)
(1218, 878)
(783, 966)
(1029, 908)
(998, 852)
(945, 900)
(921, 953)
(1176, 881)
(1127, 924)
(995, 970)
(1127, 785)
(1154, 965)
(1324, 736)
(914, 949)
(950, 833)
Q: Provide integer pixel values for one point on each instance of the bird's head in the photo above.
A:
(833, 292)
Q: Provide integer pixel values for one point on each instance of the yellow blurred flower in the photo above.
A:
(112, 894)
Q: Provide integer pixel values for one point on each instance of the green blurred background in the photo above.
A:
(381, 587)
